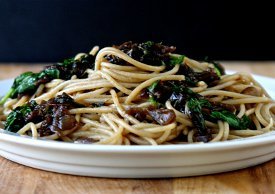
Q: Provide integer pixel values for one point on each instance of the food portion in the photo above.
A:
(136, 94)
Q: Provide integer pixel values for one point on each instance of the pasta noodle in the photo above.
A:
(117, 87)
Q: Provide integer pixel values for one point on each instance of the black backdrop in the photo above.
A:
(50, 30)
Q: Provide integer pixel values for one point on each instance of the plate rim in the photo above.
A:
(258, 140)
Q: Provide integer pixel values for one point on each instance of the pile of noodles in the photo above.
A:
(117, 86)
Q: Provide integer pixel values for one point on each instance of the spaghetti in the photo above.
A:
(119, 103)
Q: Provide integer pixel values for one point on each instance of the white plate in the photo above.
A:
(139, 161)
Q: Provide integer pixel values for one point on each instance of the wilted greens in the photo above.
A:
(196, 106)
(28, 82)
(148, 52)
(17, 118)
(54, 115)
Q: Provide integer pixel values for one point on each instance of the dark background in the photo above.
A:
(51, 30)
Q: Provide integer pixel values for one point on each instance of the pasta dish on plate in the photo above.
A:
(136, 94)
